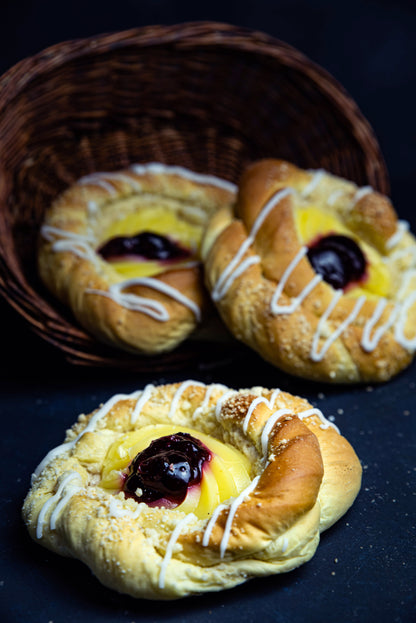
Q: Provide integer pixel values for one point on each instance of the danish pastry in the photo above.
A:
(186, 488)
(121, 250)
(315, 274)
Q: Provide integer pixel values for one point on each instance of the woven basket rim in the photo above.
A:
(201, 33)
(15, 289)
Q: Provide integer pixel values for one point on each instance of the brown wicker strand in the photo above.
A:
(208, 96)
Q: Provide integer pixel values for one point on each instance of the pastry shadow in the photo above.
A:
(68, 583)
(253, 591)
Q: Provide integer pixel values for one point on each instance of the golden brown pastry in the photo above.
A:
(122, 251)
(315, 274)
(186, 488)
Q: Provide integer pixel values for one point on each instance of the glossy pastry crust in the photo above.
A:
(304, 476)
(139, 315)
(263, 283)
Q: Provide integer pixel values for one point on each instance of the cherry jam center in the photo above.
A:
(338, 259)
(145, 245)
(165, 470)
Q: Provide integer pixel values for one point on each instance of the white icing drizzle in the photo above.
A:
(316, 178)
(232, 511)
(77, 244)
(131, 301)
(101, 413)
(158, 168)
(177, 395)
(152, 308)
(92, 207)
(268, 207)
(362, 192)
(63, 487)
(49, 233)
(334, 196)
(210, 390)
(81, 249)
(369, 342)
(145, 396)
(408, 343)
(268, 427)
(61, 504)
(218, 293)
(275, 308)
(117, 510)
(221, 401)
(316, 355)
(105, 409)
(257, 401)
(171, 544)
(399, 254)
(96, 179)
(81, 245)
(50, 456)
(402, 228)
(225, 277)
(228, 275)
(338, 192)
(285, 544)
(264, 439)
(211, 523)
(324, 422)
(408, 277)
(234, 269)
(103, 179)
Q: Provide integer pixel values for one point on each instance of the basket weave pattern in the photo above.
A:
(210, 97)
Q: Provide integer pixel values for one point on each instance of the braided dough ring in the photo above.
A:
(303, 476)
(271, 297)
(136, 305)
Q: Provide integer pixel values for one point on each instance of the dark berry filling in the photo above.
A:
(146, 245)
(161, 474)
(338, 259)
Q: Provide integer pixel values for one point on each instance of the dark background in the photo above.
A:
(364, 568)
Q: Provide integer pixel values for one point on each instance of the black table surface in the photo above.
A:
(364, 568)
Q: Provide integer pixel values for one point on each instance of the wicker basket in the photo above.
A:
(207, 96)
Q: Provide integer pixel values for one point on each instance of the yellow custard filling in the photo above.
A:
(224, 476)
(313, 222)
(160, 221)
